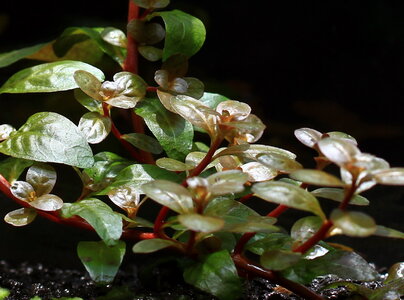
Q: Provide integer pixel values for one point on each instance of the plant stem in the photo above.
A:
(252, 268)
(348, 195)
(318, 236)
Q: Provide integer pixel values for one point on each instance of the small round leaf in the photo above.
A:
(22, 190)
(88, 83)
(238, 110)
(42, 177)
(338, 151)
(353, 223)
(305, 228)
(172, 164)
(258, 172)
(114, 36)
(338, 195)
(201, 223)
(151, 53)
(307, 136)
(95, 127)
(20, 217)
(48, 202)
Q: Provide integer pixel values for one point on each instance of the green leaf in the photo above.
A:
(201, 223)
(388, 232)
(88, 83)
(289, 195)
(136, 175)
(279, 259)
(170, 194)
(143, 142)
(258, 172)
(212, 100)
(305, 228)
(20, 217)
(88, 102)
(49, 137)
(173, 132)
(152, 245)
(4, 293)
(114, 36)
(49, 77)
(172, 164)
(145, 33)
(316, 177)
(396, 271)
(215, 274)
(48, 202)
(11, 168)
(151, 4)
(101, 261)
(150, 53)
(346, 265)
(106, 167)
(11, 57)
(95, 127)
(185, 34)
(279, 162)
(353, 223)
(99, 215)
(271, 241)
(226, 182)
(339, 195)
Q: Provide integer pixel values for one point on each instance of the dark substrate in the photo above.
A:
(164, 283)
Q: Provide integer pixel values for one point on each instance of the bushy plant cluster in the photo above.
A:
(202, 191)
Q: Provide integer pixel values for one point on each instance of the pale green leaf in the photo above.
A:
(305, 228)
(114, 36)
(339, 195)
(289, 195)
(212, 100)
(20, 217)
(226, 182)
(151, 53)
(95, 127)
(88, 102)
(201, 223)
(279, 162)
(388, 232)
(307, 136)
(152, 245)
(49, 137)
(99, 215)
(172, 164)
(11, 57)
(278, 260)
(316, 177)
(49, 77)
(100, 260)
(11, 168)
(88, 83)
(353, 223)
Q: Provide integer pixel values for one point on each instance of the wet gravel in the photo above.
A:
(28, 280)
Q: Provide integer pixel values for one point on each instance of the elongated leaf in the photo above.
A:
(11, 168)
(393, 176)
(101, 261)
(353, 223)
(152, 245)
(185, 34)
(258, 172)
(170, 194)
(173, 132)
(172, 164)
(49, 137)
(49, 77)
(337, 150)
(316, 177)
(212, 100)
(215, 274)
(99, 215)
(143, 142)
(225, 182)
(388, 232)
(288, 194)
(279, 162)
(347, 265)
(339, 195)
(307, 136)
(20, 217)
(136, 175)
(201, 223)
(11, 57)
(95, 127)
(305, 228)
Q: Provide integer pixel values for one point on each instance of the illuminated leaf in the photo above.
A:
(5, 131)
(42, 177)
(22, 190)
(258, 172)
(143, 142)
(49, 137)
(316, 177)
(396, 271)
(185, 34)
(393, 176)
(212, 100)
(173, 132)
(342, 136)
(48, 202)
(114, 36)
(125, 197)
(339, 195)
(99, 215)
(308, 137)
(201, 223)
(250, 224)
(289, 195)
(95, 127)
(305, 228)
(353, 223)
(152, 245)
(238, 110)
(338, 151)
(100, 260)
(49, 77)
(225, 182)
(170, 194)
(88, 102)
(279, 162)
(151, 53)
(20, 217)
(172, 164)
(89, 84)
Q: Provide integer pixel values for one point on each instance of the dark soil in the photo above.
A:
(28, 280)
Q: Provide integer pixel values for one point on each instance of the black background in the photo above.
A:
(329, 65)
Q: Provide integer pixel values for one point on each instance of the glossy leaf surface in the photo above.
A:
(101, 261)
(49, 77)
(393, 176)
(338, 151)
(212, 99)
(231, 181)
(201, 223)
(185, 34)
(99, 215)
(42, 177)
(279, 259)
(308, 136)
(48, 202)
(5, 131)
(49, 137)
(95, 127)
(305, 228)
(316, 177)
(170, 194)
(353, 223)
(279, 162)
(215, 274)
(172, 164)
(337, 194)
(152, 245)
(11, 57)
(20, 217)
(173, 132)
(289, 195)
(11, 168)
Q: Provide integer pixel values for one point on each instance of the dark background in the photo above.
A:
(329, 65)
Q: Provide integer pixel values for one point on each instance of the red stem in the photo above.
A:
(131, 61)
(318, 236)
(252, 268)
